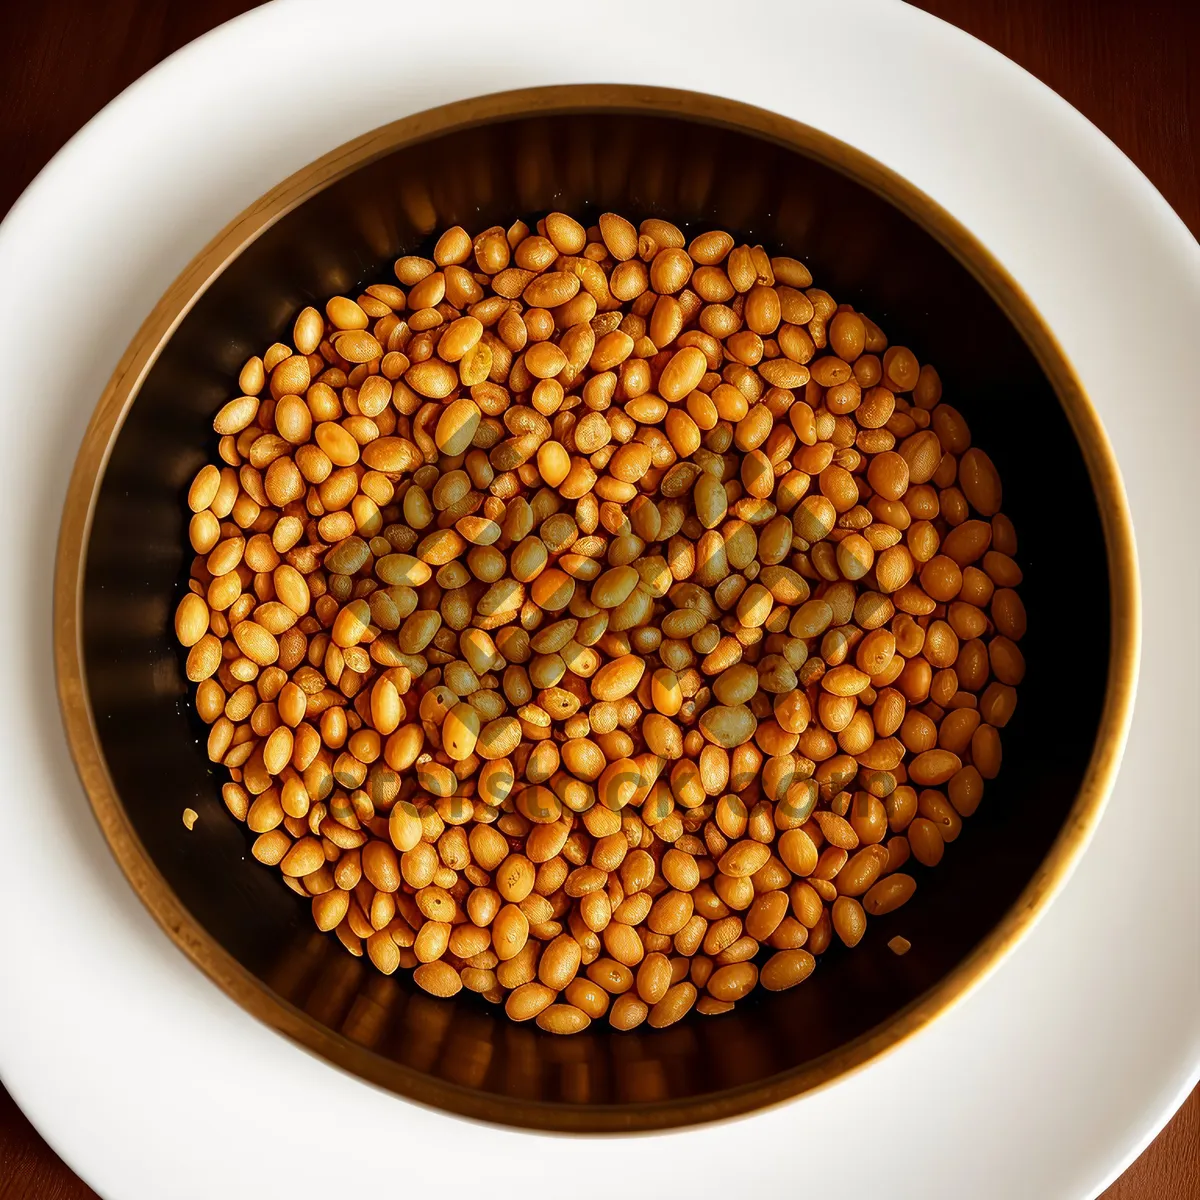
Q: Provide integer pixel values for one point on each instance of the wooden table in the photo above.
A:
(1127, 67)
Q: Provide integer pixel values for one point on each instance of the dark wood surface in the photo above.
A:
(1130, 68)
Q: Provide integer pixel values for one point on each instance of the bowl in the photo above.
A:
(870, 238)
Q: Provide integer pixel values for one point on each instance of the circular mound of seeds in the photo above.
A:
(599, 621)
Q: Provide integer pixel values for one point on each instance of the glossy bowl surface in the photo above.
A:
(870, 239)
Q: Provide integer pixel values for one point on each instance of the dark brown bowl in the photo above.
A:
(871, 239)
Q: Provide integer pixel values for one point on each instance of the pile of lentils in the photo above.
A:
(599, 621)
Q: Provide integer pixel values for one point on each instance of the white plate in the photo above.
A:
(1053, 1075)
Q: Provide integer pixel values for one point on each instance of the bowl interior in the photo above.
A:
(702, 173)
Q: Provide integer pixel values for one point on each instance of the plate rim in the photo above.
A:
(1152, 1092)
